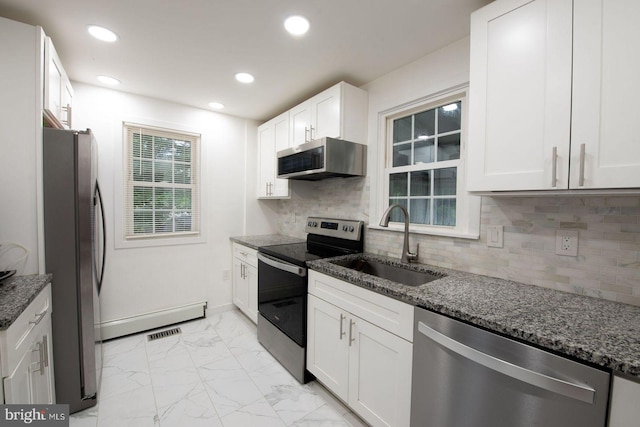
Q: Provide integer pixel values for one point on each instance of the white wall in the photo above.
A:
(140, 280)
(20, 135)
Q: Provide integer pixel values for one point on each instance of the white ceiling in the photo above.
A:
(187, 51)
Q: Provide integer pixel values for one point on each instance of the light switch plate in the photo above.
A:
(495, 236)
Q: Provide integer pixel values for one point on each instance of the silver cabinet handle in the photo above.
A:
(281, 265)
(45, 350)
(311, 129)
(306, 133)
(266, 188)
(554, 167)
(555, 385)
(582, 160)
(351, 337)
(39, 347)
(242, 273)
(244, 254)
(342, 333)
(39, 318)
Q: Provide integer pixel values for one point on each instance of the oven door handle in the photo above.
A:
(281, 265)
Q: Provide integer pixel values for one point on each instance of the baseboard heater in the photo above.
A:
(152, 320)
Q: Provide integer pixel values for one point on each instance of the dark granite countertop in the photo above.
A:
(16, 293)
(600, 332)
(255, 242)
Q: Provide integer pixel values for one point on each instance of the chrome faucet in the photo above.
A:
(384, 222)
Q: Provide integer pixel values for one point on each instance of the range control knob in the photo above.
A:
(344, 228)
(351, 229)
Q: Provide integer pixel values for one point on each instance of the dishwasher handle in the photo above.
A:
(575, 391)
(281, 265)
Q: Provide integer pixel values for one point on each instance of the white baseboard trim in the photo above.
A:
(152, 320)
(220, 309)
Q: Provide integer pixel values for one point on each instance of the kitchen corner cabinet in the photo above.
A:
(625, 403)
(273, 136)
(58, 93)
(553, 92)
(26, 354)
(354, 350)
(245, 280)
(338, 112)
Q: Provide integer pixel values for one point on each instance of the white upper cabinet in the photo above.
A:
(273, 136)
(338, 112)
(551, 93)
(58, 93)
(606, 89)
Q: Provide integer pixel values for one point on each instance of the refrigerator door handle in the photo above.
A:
(104, 232)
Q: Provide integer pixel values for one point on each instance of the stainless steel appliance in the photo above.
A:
(323, 158)
(74, 254)
(464, 376)
(282, 287)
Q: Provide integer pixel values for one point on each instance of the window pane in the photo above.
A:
(142, 198)
(425, 124)
(182, 173)
(444, 212)
(449, 117)
(163, 148)
(402, 129)
(142, 170)
(444, 181)
(142, 149)
(164, 198)
(396, 213)
(183, 199)
(183, 221)
(421, 183)
(424, 152)
(163, 172)
(164, 222)
(449, 147)
(398, 184)
(183, 151)
(401, 154)
(142, 222)
(420, 211)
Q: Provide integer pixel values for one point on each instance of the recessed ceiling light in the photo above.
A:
(296, 25)
(102, 33)
(109, 80)
(216, 105)
(244, 77)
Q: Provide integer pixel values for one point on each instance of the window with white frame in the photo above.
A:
(162, 188)
(424, 169)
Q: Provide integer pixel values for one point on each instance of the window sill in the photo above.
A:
(441, 232)
(151, 241)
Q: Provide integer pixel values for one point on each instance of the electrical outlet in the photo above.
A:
(567, 242)
(226, 275)
(495, 236)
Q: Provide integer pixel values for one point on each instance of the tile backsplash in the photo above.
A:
(608, 261)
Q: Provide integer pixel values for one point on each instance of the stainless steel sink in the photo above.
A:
(390, 272)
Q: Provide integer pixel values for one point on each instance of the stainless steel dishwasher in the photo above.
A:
(464, 376)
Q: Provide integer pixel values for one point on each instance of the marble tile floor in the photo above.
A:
(215, 373)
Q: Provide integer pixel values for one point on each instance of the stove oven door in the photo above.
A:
(282, 296)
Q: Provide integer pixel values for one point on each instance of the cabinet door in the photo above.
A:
(328, 345)
(520, 95)
(606, 90)
(18, 385)
(326, 111)
(67, 104)
(280, 187)
(300, 122)
(379, 375)
(266, 163)
(252, 292)
(240, 285)
(625, 403)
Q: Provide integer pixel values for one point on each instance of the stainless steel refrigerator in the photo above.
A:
(74, 253)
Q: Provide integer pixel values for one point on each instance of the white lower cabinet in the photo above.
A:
(625, 403)
(26, 355)
(366, 366)
(245, 280)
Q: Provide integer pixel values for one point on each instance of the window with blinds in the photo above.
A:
(162, 183)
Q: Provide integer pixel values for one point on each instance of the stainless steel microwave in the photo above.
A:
(323, 158)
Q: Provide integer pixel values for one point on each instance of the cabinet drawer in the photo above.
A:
(17, 339)
(246, 254)
(387, 313)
